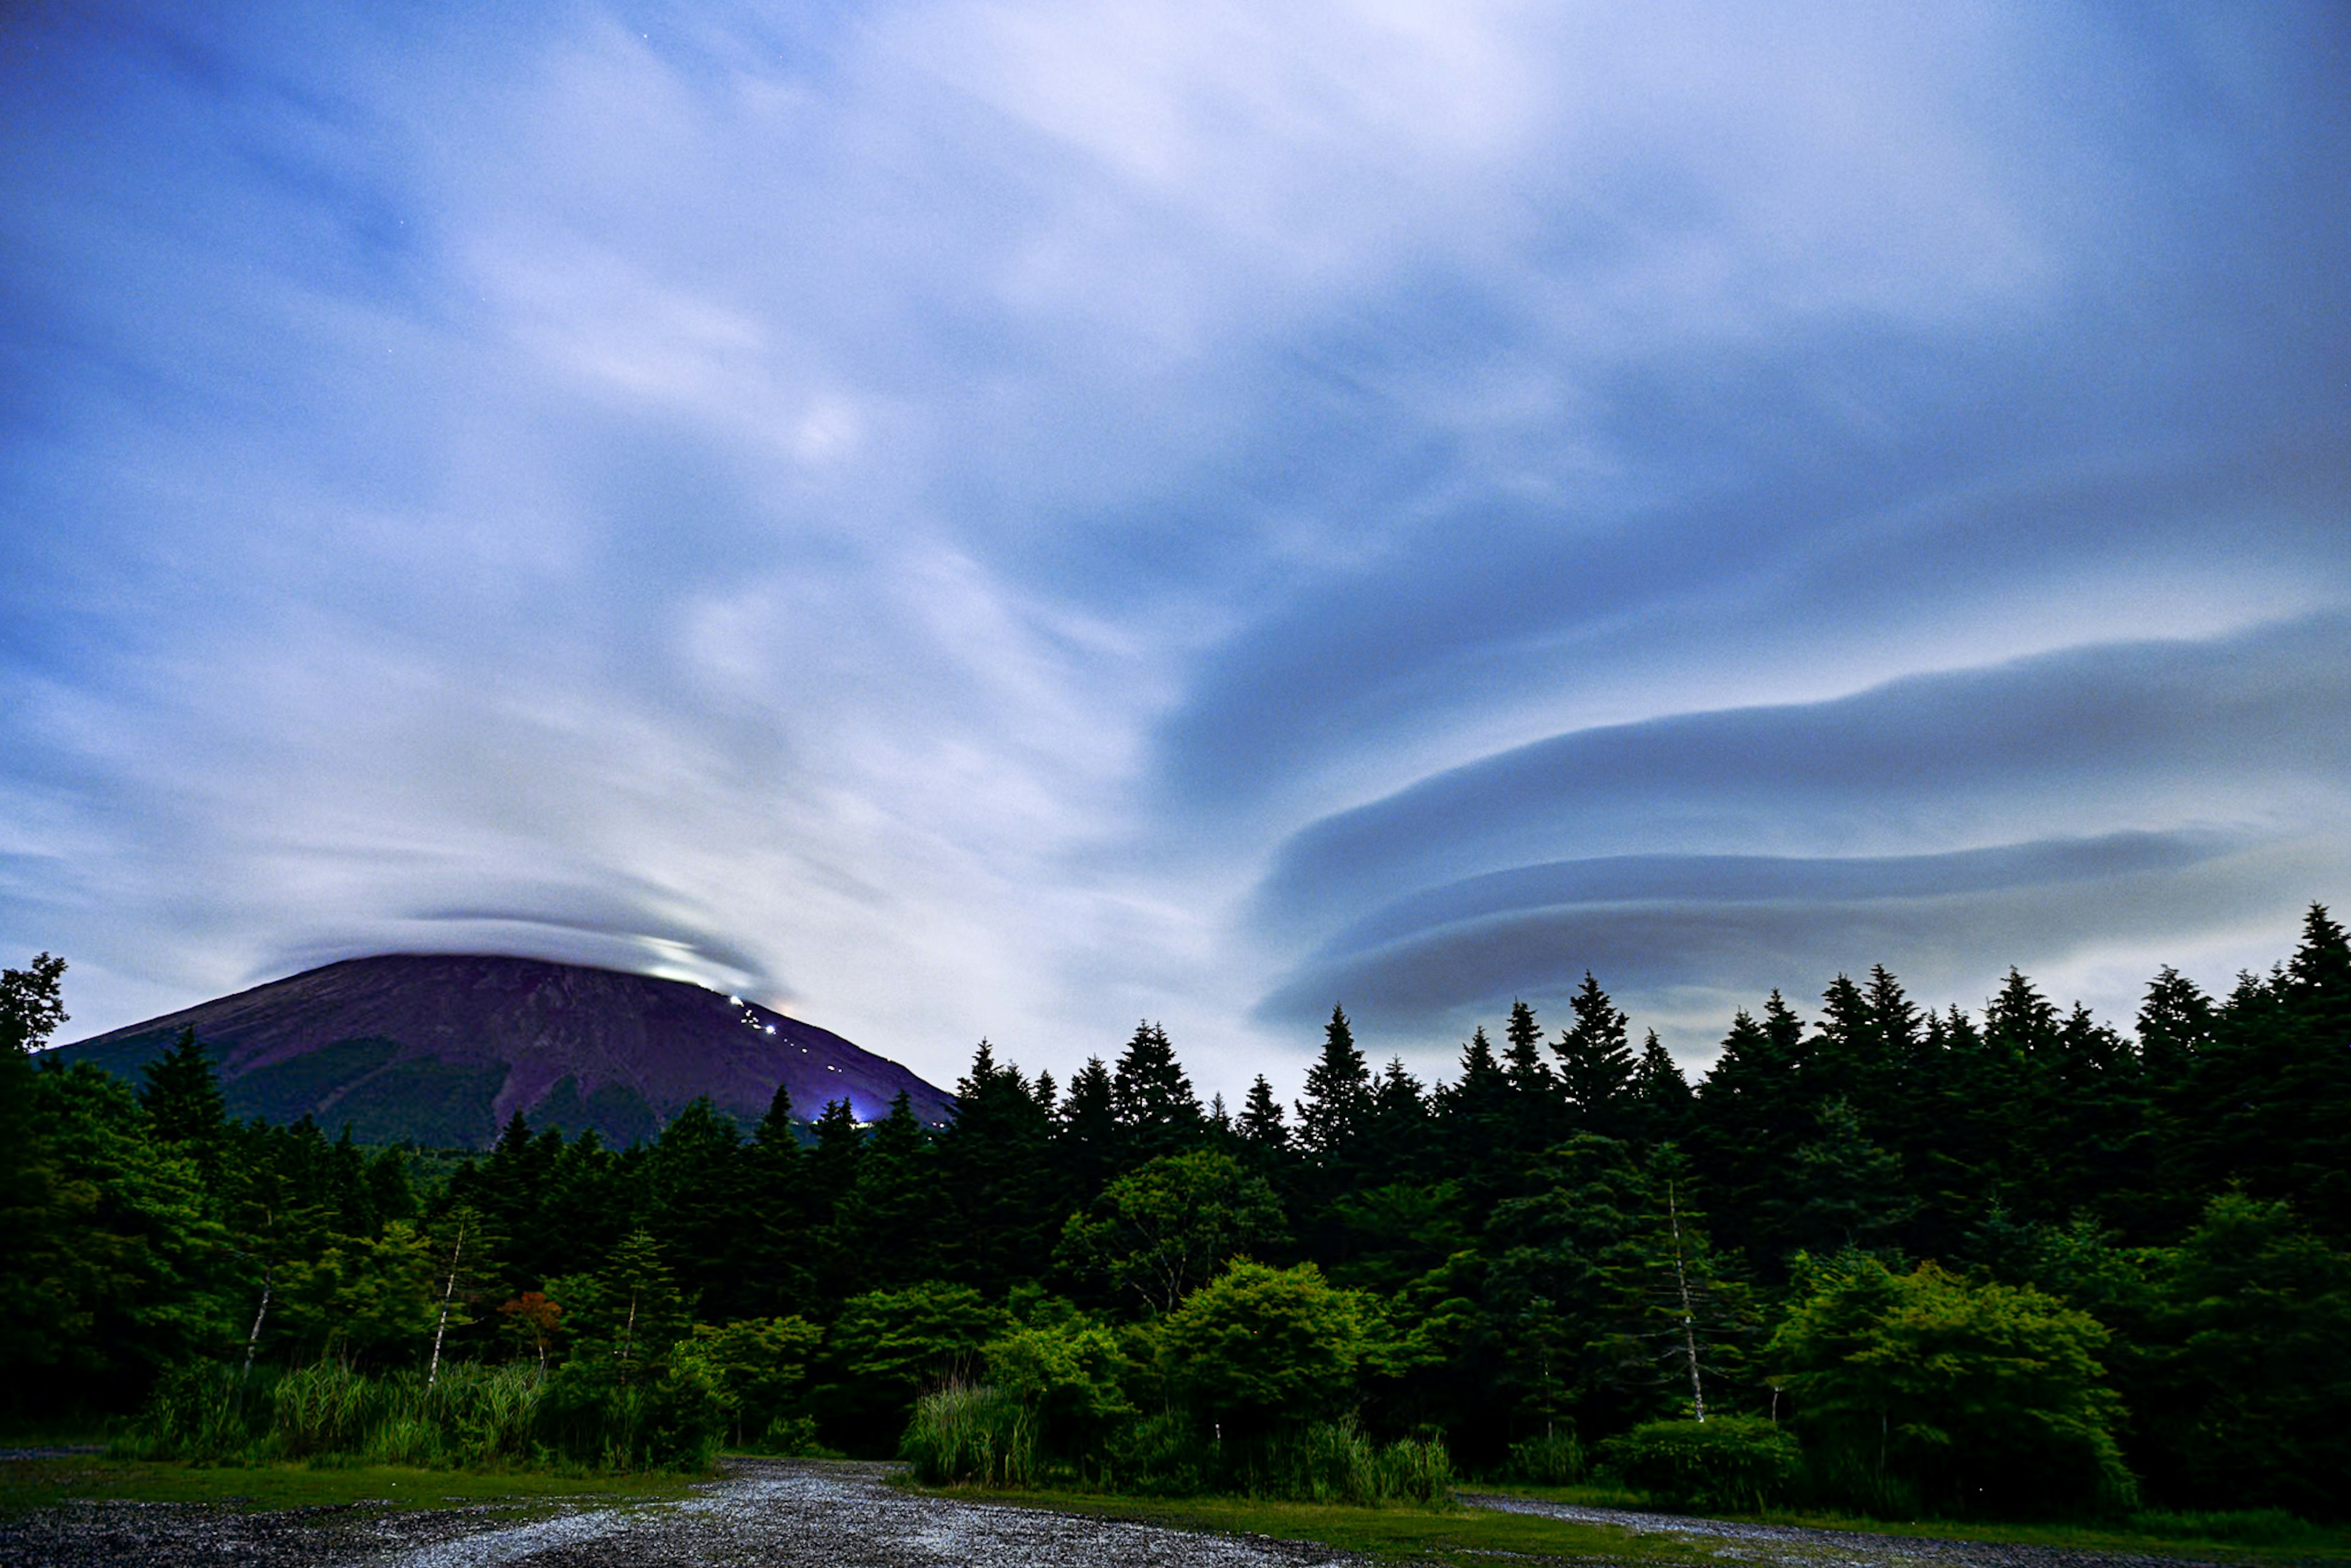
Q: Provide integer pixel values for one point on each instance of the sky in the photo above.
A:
(1010, 518)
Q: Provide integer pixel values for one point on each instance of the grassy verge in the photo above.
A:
(28, 1484)
(1457, 1537)
(1473, 1538)
(2320, 1545)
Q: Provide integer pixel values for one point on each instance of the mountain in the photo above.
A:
(441, 1049)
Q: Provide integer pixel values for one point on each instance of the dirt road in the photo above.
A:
(771, 1513)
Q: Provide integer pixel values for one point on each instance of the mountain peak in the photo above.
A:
(442, 1049)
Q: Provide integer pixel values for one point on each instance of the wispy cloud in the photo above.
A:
(1006, 518)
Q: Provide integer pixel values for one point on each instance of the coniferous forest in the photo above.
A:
(2011, 1262)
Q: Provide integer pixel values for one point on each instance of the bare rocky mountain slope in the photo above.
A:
(441, 1049)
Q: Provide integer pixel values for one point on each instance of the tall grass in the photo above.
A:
(470, 1415)
(1336, 1461)
(975, 1435)
(971, 1435)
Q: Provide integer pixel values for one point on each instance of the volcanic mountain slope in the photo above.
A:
(441, 1050)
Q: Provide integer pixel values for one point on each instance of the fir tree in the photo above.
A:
(1595, 1060)
(1661, 1102)
(1338, 1096)
(182, 1100)
(1535, 1107)
(1157, 1111)
(992, 1163)
(1086, 1138)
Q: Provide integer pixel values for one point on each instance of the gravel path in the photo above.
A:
(772, 1513)
(777, 1513)
(1793, 1544)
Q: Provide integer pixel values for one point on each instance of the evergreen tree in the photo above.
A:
(1661, 1100)
(1086, 1139)
(1595, 1060)
(1262, 1132)
(701, 1204)
(993, 1167)
(182, 1096)
(894, 1222)
(1474, 1125)
(1535, 1106)
(1395, 1140)
(1157, 1111)
(182, 1100)
(1338, 1097)
(1843, 1190)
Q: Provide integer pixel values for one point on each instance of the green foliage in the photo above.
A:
(1159, 1232)
(888, 1346)
(1336, 1462)
(1730, 1462)
(1533, 1257)
(1969, 1397)
(972, 1435)
(761, 1367)
(1259, 1348)
(1068, 1373)
(2244, 1382)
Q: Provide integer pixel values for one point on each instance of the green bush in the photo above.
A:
(1257, 1350)
(1554, 1459)
(1732, 1462)
(1157, 1456)
(1927, 1387)
(971, 1435)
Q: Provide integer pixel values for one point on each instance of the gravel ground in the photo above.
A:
(779, 1514)
(1793, 1544)
(772, 1513)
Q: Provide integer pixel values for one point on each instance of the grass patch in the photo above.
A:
(2217, 1541)
(28, 1484)
(1457, 1537)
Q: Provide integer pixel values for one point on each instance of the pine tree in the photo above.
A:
(1395, 1139)
(700, 1204)
(1261, 1127)
(1338, 1096)
(993, 1165)
(1474, 1125)
(1596, 1067)
(1661, 1100)
(1535, 1116)
(894, 1221)
(1087, 1141)
(1157, 1111)
(183, 1104)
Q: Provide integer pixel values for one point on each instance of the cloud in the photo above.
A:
(1005, 518)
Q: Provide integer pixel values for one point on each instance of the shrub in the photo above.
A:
(1336, 1461)
(971, 1435)
(1258, 1349)
(1732, 1462)
(1963, 1396)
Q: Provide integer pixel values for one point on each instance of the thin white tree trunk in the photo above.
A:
(1690, 1332)
(448, 1289)
(260, 1315)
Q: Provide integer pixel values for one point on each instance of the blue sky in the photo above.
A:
(1009, 519)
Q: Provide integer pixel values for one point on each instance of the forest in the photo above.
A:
(2013, 1262)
